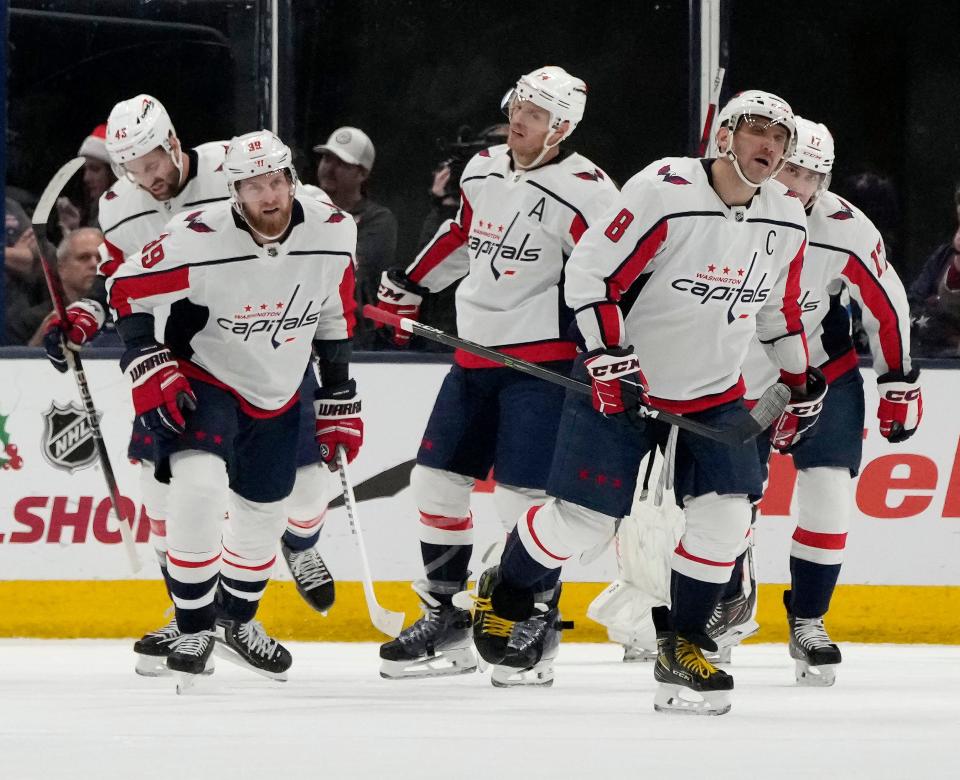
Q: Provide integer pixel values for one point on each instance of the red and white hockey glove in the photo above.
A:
(160, 391)
(801, 414)
(84, 320)
(338, 421)
(399, 296)
(619, 386)
(901, 405)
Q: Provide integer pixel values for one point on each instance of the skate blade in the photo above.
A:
(156, 666)
(722, 657)
(638, 655)
(229, 654)
(446, 664)
(816, 676)
(540, 676)
(680, 700)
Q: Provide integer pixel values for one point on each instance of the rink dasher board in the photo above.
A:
(55, 526)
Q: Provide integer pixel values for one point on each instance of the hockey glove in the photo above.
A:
(399, 296)
(160, 391)
(338, 422)
(801, 413)
(901, 405)
(619, 387)
(84, 320)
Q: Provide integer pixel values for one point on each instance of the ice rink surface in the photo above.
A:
(75, 709)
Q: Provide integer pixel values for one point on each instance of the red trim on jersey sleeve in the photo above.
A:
(443, 247)
(791, 296)
(114, 259)
(541, 352)
(194, 372)
(608, 315)
(703, 402)
(577, 228)
(623, 278)
(131, 288)
(875, 299)
(347, 298)
(793, 380)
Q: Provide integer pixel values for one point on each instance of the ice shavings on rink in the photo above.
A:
(75, 709)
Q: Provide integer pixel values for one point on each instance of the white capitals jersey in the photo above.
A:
(844, 251)
(690, 282)
(130, 217)
(244, 316)
(511, 239)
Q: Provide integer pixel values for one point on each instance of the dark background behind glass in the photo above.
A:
(883, 75)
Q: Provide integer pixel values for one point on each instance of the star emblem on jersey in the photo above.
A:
(844, 213)
(194, 223)
(595, 175)
(669, 177)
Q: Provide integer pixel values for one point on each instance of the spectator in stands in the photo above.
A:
(27, 301)
(77, 258)
(935, 299)
(346, 161)
(97, 179)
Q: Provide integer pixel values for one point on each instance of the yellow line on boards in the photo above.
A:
(130, 608)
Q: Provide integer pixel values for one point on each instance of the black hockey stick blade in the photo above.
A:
(734, 436)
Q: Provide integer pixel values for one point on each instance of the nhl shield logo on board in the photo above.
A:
(67, 438)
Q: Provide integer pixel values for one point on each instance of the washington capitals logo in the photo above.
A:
(194, 223)
(845, 211)
(669, 177)
(595, 175)
(337, 216)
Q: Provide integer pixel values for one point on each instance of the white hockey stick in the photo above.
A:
(41, 215)
(390, 623)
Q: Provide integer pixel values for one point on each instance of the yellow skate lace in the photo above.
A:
(691, 658)
(492, 624)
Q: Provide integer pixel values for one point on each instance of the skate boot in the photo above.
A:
(491, 632)
(248, 645)
(531, 648)
(810, 646)
(688, 683)
(734, 618)
(437, 645)
(190, 657)
(153, 648)
(314, 581)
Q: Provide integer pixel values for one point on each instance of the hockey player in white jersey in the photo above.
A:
(694, 260)
(845, 254)
(160, 178)
(524, 206)
(253, 285)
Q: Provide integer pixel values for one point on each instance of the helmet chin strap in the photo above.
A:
(243, 216)
(546, 148)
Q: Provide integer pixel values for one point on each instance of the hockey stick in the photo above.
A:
(41, 215)
(711, 111)
(768, 408)
(383, 620)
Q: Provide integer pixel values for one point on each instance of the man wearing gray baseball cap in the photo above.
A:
(346, 160)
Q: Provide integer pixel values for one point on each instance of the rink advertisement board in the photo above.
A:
(56, 524)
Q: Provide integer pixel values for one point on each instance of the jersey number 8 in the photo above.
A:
(618, 227)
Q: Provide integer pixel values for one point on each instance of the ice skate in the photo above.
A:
(734, 618)
(688, 683)
(491, 632)
(248, 645)
(532, 648)
(635, 653)
(190, 656)
(153, 648)
(439, 644)
(312, 577)
(810, 646)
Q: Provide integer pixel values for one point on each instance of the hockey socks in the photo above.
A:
(812, 586)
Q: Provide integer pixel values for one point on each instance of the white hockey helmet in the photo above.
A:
(255, 153)
(765, 105)
(815, 152)
(136, 127)
(556, 91)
